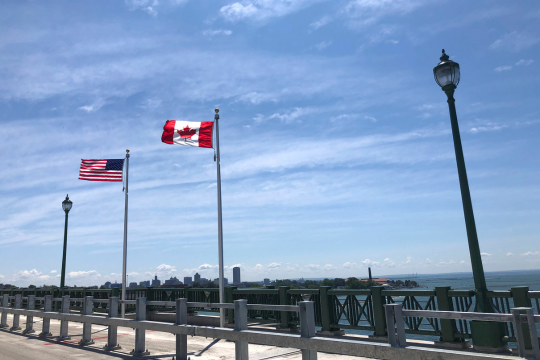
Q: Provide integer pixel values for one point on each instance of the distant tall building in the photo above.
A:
(225, 281)
(145, 283)
(172, 281)
(107, 284)
(188, 280)
(266, 281)
(236, 275)
(156, 282)
(203, 280)
(132, 285)
(197, 278)
(116, 285)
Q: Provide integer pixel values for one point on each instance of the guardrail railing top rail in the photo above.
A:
(307, 342)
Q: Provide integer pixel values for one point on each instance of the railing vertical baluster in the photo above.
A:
(400, 325)
(241, 323)
(47, 307)
(112, 336)
(16, 317)
(64, 324)
(30, 305)
(88, 306)
(284, 315)
(519, 332)
(140, 333)
(390, 327)
(307, 327)
(181, 319)
(532, 332)
(5, 303)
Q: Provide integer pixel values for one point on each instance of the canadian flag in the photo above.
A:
(188, 133)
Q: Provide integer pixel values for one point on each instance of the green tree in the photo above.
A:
(32, 286)
(327, 282)
(339, 282)
(211, 284)
(256, 286)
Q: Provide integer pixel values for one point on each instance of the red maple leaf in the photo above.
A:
(186, 132)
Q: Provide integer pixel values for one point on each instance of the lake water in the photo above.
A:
(502, 280)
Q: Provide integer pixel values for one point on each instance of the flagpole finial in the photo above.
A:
(216, 117)
(127, 151)
(216, 110)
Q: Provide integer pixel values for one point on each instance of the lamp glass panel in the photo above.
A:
(444, 75)
(66, 205)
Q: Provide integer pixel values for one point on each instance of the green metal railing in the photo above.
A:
(335, 309)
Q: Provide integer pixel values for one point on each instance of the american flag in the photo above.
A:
(101, 170)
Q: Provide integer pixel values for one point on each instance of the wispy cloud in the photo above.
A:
(211, 32)
(151, 6)
(322, 45)
(524, 62)
(515, 41)
(262, 10)
(321, 22)
(503, 68)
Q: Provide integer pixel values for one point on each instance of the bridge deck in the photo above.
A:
(16, 346)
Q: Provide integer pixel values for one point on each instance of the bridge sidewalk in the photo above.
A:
(16, 346)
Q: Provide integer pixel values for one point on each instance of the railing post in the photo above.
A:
(112, 336)
(5, 303)
(30, 305)
(519, 295)
(532, 332)
(326, 309)
(140, 333)
(64, 324)
(16, 317)
(307, 327)
(394, 319)
(378, 301)
(241, 323)
(87, 327)
(444, 303)
(283, 301)
(229, 298)
(47, 307)
(181, 319)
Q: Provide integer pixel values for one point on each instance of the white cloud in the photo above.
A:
(210, 32)
(54, 272)
(312, 267)
(206, 267)
(273, 265)
(93, 107)
(529, 253)
(369, 263)
(524, 62)
(329, 267)
(349, 265)
(286, 117)
(319, 23)
(515, 41)
(151, 6)
(509, 254)
(485, 254)
(388, 263)
(409, 260)
(368, 12)
(502, 68)
(322, 45)
(165, 271)
(262, 10)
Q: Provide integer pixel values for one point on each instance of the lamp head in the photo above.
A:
(446, 73)
(67, 204)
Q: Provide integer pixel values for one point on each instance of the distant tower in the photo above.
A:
(369, 270)
(197, 278)
(188, 280)
(236, 275)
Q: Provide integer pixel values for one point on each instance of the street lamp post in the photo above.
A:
(66, 206)
(447, 75)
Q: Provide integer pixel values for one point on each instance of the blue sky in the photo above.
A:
(336, 146)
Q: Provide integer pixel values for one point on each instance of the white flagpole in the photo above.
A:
(125, 239)
(220, 225)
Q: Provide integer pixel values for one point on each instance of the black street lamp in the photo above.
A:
(447, 76)
(66, 206)
(484, 333)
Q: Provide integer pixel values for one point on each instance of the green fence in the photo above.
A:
(335, 309)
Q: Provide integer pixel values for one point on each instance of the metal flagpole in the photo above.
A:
(125, 239)
(220, 225)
